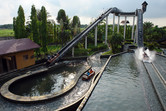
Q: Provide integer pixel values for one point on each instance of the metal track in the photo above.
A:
(163, 82)
(159, 75)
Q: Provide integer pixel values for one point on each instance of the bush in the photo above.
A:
(116, 42)
(128, 41)
(152, 45)
(80, 52)
(98, 47)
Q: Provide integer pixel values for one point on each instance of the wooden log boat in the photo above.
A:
(87, 77)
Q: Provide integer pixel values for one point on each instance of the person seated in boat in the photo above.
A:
(90, 71)
(145, 55)
(48, 57)
(53, 58)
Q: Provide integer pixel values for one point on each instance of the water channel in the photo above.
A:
(45, 83)
(124, 85)
(48, 82)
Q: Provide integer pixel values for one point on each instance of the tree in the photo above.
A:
(35, 27)
(75, 25)
(55, 33)
(116, 42)
(65, 29)
(19, 24)
(147, 28)
(43, 28)
(15, 27)
(50, 30)
(61, 15)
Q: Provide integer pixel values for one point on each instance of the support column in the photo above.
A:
(96, 36)
(132, 36)
(72, 51)
(106, 30)
(136, 32)
(125, 27)
(118, 23)
(113, 22)
(85, 42)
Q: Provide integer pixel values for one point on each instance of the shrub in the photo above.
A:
(116, 42)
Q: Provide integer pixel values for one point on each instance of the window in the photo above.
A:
(32, 56)
(25, 57)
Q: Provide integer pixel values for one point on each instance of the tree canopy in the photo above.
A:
(19, 24)
(35, 27)
(61, 15)
(116, 42)
(43, 28)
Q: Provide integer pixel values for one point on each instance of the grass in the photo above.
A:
(6, 32)
(107, 53)
(53, 48)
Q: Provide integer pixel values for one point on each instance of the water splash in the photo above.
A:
(140, 51)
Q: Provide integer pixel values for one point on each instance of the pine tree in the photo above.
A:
(20, 23)
(44, 29)
(15, 28)
(35, 27)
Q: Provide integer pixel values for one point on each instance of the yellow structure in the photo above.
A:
(16, 54)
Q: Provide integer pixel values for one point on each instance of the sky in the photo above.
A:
(86, 10)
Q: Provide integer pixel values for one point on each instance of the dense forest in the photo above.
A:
(6, 26)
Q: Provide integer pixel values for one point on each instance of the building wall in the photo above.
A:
(17, 60)
(25, 59)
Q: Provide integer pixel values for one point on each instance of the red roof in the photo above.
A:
(16, 45)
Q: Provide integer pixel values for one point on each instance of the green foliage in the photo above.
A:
(116, 42)
(19, 24)
(107, 53)
(100, 33)
(35, 27)
(53, 49)
(6, 33)
(80, 52)
(50, 29)
(6, 26)
(152, 45)
(153, 33)
(61, 15)
(76, 21)
(43, 28)
(100, 46)
(65, 30)
(75, 25)
(128, 41)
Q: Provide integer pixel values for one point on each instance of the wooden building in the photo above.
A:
(16, 54)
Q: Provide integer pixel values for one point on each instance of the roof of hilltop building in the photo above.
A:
(16, 45)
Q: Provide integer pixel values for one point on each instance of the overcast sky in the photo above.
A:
(87, 10)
